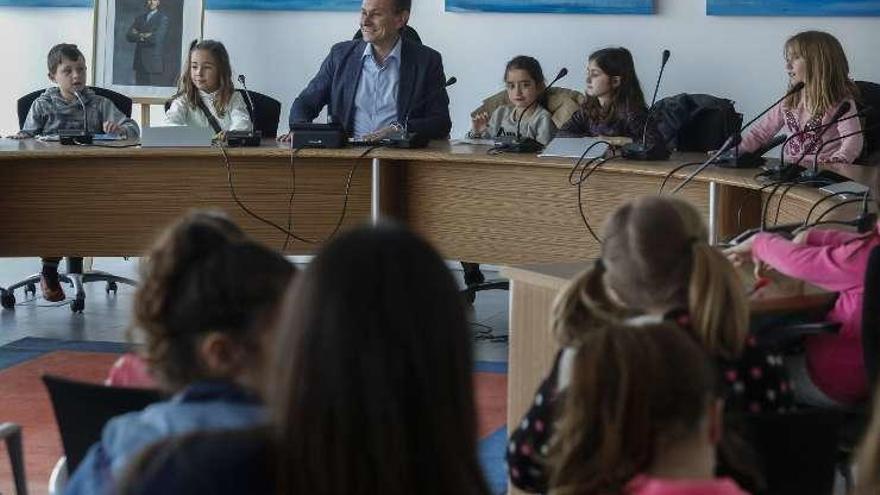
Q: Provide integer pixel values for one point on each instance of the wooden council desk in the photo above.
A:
(501, 209)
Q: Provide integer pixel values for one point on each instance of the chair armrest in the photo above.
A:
(789, 335)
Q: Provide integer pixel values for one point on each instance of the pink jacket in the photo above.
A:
(644, 485)
(835, 261)
(797, 119)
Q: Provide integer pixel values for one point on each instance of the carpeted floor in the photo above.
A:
(23, 400)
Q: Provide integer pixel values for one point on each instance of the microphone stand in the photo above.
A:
(639, 151)
(246, 138)
(71, 136)
(527, 145)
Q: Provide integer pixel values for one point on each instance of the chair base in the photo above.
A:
(77, 280)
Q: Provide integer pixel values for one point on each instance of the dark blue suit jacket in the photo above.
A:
(421, 77)
(149, 55)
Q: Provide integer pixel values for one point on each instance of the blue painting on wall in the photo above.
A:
(46, 3)
(553, 6)
(794, 7)
(320, 5)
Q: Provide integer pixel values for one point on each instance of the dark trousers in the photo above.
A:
(74, 263)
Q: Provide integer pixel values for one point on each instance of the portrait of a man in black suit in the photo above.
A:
(149, 32)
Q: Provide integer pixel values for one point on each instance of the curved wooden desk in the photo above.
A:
(502, 209)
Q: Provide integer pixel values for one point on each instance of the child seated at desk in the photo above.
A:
(61, 107)
(615, 104)
(206, 96)
(526, 114)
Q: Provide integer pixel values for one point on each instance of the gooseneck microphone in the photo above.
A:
(822, 129)
(246, 138)
(814, 170)
(562, 73)
(247, 93)
(449, 82)
(73, 136)
(735, 138)
(639, 150)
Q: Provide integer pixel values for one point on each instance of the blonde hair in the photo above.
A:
(225, 91)
(656, 255)
(868, 455)
(827, 81)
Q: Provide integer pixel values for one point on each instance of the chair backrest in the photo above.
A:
(796, 452)
(82, 410)
(23, 105)
(696, 122)
(267, 115)
(869, 97)
(406, 31)
(562, 103)
(871, 318)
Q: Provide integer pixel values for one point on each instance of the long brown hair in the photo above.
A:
(204, 275)
(633, 390)
(868, 455)
(627, 97)
(372, 390)
(827, 81)
(190, 92)
(655, 255)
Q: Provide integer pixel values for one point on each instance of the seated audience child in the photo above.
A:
(656, 265)
(832, 372)
(525, 83)
(371, 390)
(642, 416)
(615, 105)
(206, 95)
(816, 59)
(206, 297)
(61, 107)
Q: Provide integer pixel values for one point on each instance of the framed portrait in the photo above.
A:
(140, 45)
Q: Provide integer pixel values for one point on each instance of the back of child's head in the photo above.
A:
(185, 86)
(634, 391)
(60, 52)
(827, 80)
(627, 96)
(655, 256)
(204, 275)
(372, 387)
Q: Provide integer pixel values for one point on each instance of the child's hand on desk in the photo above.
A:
(19, 135)
(112, 128)
(480, 121)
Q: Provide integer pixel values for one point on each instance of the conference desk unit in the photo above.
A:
(500, 209)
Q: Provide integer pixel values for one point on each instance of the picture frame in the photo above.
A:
(140, 46)
(639, 7)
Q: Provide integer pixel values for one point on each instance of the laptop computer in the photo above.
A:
(176, 137)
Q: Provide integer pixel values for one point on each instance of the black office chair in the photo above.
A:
(73, 277)
(10, 433)
(869, 97)
(82, 409)
(267, 115)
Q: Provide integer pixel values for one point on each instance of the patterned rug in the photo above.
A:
(23, 400)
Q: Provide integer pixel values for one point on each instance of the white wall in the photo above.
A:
(736, 57)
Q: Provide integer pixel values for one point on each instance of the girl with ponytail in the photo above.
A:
(206, 296)
(656, 265)
(641, 416)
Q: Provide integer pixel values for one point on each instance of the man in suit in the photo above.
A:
(149, 31)
(380, 84)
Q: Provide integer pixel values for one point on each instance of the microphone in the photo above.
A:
(528, 145)
(814, 170)
(639, 151)
(246, 138)
(735, 138)
(406, 139)
(71, 136)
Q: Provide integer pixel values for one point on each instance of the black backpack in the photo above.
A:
(696, 122)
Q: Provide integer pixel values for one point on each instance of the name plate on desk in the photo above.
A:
(176, 137)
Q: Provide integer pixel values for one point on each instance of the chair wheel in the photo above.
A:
(30, 289)
(78, 305)
(111, 287)
(7, 298)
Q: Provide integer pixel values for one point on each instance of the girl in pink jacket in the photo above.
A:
(817, 59)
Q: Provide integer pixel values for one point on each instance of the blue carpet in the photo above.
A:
(492, 449)
(28, 348)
